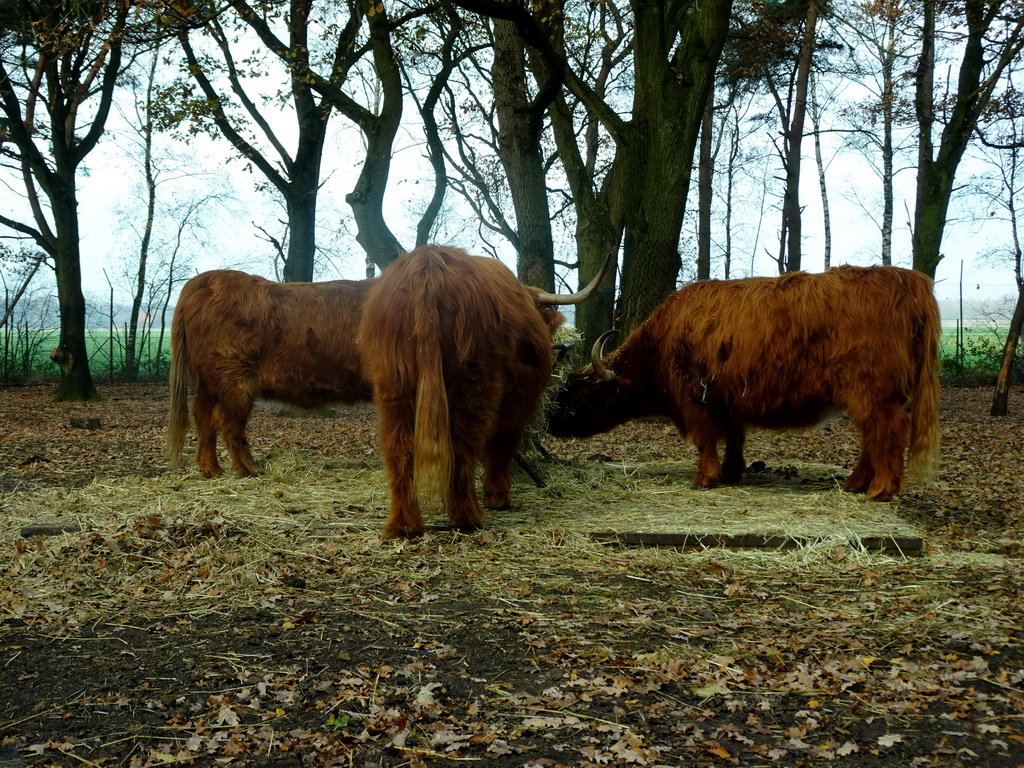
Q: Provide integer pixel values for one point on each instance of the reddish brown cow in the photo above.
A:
(241, 337)
(458, 352)
(785, 353)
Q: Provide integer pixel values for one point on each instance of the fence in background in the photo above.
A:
(971, 346)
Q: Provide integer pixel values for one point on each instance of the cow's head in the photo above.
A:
(594, 400)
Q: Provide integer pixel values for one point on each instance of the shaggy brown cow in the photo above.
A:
(241, 337)
(780, 353)
(458, 352)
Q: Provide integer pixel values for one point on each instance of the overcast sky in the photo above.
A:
(111, 187)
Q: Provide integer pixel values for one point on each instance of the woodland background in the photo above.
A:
(143, 141)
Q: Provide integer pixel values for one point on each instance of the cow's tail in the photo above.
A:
(432, 447)
(924, 419)
(177, 421)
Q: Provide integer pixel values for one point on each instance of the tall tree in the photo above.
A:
(1003, 137)
(775, 48)
(675, 49)
(792, 213)
(378, 120)
(236, 100)
(601, 59)
(991, 40)
(705, 179)
(59, 64)
(520, 122)
(146, 129)
(882, 37)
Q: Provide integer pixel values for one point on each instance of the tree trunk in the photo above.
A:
(520, 153)
(670, 100)
(71, 354)
(705, 175)
(1000, 399)
(596, 233)
(791, 211)
(937, 169)
(301, 203)
(826, 213)
(131, 351)
(367, 198)
(888, 117)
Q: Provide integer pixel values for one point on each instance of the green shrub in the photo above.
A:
(976, 362)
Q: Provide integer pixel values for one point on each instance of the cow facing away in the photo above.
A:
(458, 353)
(779, 353)
(241, 337)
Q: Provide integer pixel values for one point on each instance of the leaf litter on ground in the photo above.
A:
(242, 619)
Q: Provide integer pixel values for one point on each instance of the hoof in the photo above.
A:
(497, 500)
(401, 532)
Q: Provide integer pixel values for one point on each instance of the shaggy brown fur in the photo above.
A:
(241, 337)
(458, 352)
(781, 353)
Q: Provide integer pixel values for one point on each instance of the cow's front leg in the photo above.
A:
(498, 457)
(734, 465)
(703, 434)
(709, 467)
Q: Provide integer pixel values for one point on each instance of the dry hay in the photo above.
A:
(178, 542)
(298, 495)
(178, 539)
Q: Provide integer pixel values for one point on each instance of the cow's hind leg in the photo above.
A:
(397, 420)
(463, 507)
(203, 405)
(469, 426)
(232, 416)
(884, 432)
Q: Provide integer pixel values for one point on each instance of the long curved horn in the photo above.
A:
(560, 299)
(597, 352)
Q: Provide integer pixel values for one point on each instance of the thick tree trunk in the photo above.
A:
(367, 198)
(520, 152)
(71, 354)
(658, 149)
(303, 188)
(596, 234)
(301, 202)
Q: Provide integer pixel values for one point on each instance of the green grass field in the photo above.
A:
(24, 354)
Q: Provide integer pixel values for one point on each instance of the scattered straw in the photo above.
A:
(182, 543)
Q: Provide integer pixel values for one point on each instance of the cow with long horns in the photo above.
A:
(241, 337)
(458, 353)
(719, 357)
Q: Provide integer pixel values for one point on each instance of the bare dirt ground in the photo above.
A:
(181, 633)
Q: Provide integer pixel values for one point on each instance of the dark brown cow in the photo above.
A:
(241, 337)
(785, 353)
(458, 352)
